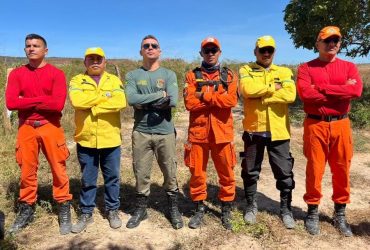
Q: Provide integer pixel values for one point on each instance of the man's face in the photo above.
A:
(210, 54)
(35, 49)
(95, 65)
(329, 46)
(264, 55)
(150, 49)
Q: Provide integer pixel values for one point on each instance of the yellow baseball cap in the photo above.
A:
(265, 41)
(95, 51)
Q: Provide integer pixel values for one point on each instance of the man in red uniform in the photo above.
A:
(209, 94)
(38, 91)
(326, 86)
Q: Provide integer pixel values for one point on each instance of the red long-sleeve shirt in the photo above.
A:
(322, 86)
(37, 93)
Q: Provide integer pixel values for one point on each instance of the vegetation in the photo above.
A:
(305, 18)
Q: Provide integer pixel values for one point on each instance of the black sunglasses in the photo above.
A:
(335, 40)
(211, 50)
(147, 45)
(263, 50)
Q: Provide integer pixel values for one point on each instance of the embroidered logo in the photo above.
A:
(160, 83)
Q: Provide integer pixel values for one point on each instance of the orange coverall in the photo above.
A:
(210, 129)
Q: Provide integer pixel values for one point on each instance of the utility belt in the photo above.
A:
(327, 118)
(33, 123)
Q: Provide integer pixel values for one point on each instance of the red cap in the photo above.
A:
(210, 40)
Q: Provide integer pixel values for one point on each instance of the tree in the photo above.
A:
(305, 18)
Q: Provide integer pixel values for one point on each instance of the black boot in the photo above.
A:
(83, 221)
(226, 214)
(312, 220)
(340, 221)
(197, 218)
(175, 215)
(24, 217)
(65, 224)
(251, 209)
(140, 213)
(286, 209)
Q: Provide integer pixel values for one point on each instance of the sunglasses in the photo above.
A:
(335, 40)
(263, 50)
(211, 50)
(147, 45)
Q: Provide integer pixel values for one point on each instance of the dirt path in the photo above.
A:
(156, 232)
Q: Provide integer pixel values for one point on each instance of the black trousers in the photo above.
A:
(281, 162)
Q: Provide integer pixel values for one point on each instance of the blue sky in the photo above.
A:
(118, 27)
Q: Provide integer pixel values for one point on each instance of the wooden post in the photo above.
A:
(6, 118)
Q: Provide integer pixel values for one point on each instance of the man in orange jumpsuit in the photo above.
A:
(326, 86)
(209, 94)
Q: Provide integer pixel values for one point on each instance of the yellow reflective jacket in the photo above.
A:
(97, 110)
(265, 108)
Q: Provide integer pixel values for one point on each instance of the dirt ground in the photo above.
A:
(157, 233)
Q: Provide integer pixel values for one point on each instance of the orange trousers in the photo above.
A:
(223, 156)
(50, 139)
(327, 142)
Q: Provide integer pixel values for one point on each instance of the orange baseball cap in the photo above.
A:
(210, 40)
(328, 31)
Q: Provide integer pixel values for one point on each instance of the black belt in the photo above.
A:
(327, 118)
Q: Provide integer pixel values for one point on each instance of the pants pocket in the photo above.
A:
(18, 154)
(64, 152)
(187, 154)
(233, 155)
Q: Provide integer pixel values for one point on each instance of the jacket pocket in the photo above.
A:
(63, 150)
(18, 154)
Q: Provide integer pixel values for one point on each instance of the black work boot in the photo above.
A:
(65, 224)
(83, 221)
(175, 215)
(226, 214)
(114, 219)
(140, 213)
(197, 218)
(286, 209)
(340, 221)
(311, 222)
(251, 209)
(24, 217)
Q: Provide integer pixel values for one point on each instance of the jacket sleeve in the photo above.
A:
(14, 100)
(114, 103)
(253, 88)
(287, 93)
(192, 103)
(345, 91)
(134, 97)
(306, 88)
(79, 98)
(172, 89)
(222, 98)
(55, 101)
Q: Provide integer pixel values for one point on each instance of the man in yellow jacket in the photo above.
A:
(98, 97)
(267, 89)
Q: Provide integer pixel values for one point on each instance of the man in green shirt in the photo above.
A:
(153, 91)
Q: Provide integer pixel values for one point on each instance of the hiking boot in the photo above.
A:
(64, 217)
(197, 218)
(140, 212)
(340, 221)
(251, 210)
(175, 215)
(114, 220)
(286, 209)
(24, 217)
(83, 221)
(311, 222)
(226, 214)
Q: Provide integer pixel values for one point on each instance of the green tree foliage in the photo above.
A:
(305, 18)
